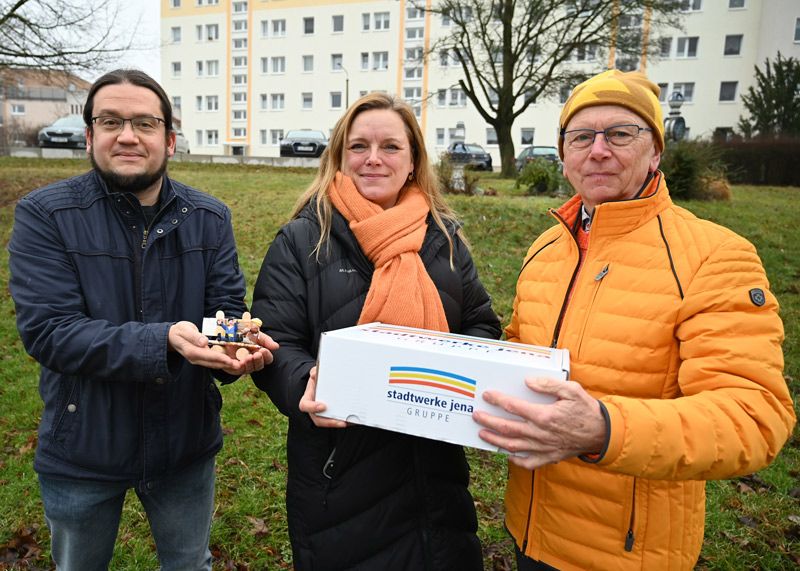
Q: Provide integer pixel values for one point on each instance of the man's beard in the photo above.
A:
(134, 183)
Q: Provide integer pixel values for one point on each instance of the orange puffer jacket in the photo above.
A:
(671, 325)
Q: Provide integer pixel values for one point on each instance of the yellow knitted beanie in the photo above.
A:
(630, 89)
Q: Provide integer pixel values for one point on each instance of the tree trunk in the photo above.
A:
(508, 160)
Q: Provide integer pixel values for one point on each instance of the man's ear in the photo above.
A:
(171, 144)
(655, 160)
(88, 134)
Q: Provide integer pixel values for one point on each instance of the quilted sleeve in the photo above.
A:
(735, 411)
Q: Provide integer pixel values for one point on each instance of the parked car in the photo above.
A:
(181, 143)
(303, 143)
(470, 155)
(68, 131)
(527, 154)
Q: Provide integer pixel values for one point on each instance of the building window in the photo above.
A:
(240, 61)
(212, 67)
(263, 135)
(414, 54)
(175, 32)
(279, 64)
(275, 136)
(240, 97)
(175, 3)
(199, 67)
(662, 94)
(733, 45)
(797, 30)
(279, 28)
(264, 28)
(176, 69)
(364, 61)
(212, 102)
(336, 99)
(240, 25)
(176, 101)
(239, 7)
(198, 102)
(17, 109)
(308, 100)
(691, 5)
(526, 135)
(441, 97)
(336, 62)
(240, 79)
(212, 32)
(584, 52)
(212, 137)
(308, 64)
(380, 60)
(563, 93)
(413, 73)
(412, 93)
(687, 47)
(685, 89)
(240, 43)
(457, 97)
(440, 137)
(491, 136)
(199, 31)
(308, 26)
(338, 24)
(735, 4)
(414, 13)
(444, 58)
(277, 101)
(264, 101)
(727, 90)
(415, 33)
(365, 19)
(665, 47)
(240, 132)
(381, 20)
(240, 114)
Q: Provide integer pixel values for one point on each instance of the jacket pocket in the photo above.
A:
(630, 534)
(66, 410)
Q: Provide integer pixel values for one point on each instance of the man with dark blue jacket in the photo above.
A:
(110, 273)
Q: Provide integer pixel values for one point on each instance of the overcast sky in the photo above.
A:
(148, 59)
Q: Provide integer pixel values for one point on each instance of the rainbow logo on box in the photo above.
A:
(434, 378)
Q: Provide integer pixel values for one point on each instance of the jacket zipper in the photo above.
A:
(597, 281)
(560, 321)
(327, 471)
(528, 523)
(630, 537)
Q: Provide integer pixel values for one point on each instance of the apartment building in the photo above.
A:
(241, 73)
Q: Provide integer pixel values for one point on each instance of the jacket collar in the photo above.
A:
(619, 217)
(167, 189)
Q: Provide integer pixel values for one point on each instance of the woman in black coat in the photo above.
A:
(361, 497)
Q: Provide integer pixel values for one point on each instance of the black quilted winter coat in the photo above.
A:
(359, 497)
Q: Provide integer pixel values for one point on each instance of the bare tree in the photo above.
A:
(68, 35)
(515, 53)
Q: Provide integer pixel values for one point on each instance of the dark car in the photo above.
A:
(68, 131)
(303, 143)
(469, 155)
(527, 154)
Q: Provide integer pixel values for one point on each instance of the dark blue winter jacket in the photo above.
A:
(95, 293)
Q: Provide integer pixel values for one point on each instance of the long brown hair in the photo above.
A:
(331, 163)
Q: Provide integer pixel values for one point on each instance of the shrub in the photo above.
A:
(694, 170)
(541, 176)
(456, 179)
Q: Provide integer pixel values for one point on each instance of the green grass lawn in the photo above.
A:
(752, 523)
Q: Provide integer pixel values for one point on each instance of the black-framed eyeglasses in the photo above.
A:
(144, 125)
(616, 135)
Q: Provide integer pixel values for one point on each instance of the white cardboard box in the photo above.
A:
(426, 383)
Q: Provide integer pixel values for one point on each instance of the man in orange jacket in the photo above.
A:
(675, 348)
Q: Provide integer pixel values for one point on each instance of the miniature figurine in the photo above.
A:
(222, 331)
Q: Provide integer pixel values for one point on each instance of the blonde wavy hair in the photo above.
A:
(333, 156)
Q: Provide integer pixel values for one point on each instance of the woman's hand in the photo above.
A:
(312, 407)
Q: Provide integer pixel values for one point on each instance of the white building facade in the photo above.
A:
(242, 73)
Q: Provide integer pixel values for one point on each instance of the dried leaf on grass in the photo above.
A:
(259, 526)
(21, 548)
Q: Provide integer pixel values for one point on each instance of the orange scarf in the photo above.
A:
(402, 292)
